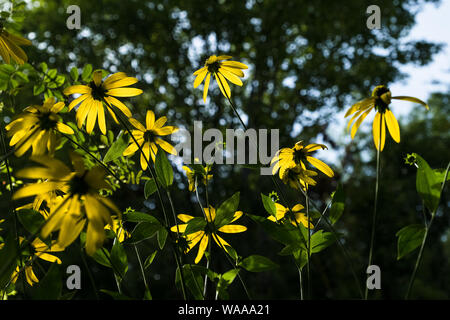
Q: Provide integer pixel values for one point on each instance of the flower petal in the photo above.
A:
(392, 125)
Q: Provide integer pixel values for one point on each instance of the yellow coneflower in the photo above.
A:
(295, 175)
(94, 94)
(203, 236)
(201, 176)
(299, 155)
(9, 46)
(148, 138)
(41, 251)
(118, 229)
(222, 71)
(81, 202)
(300, 217)
(380, 101)
(38, 127)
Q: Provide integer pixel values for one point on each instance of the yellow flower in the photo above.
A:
(1, 244)
(295, 175)
(296, 210)
(41, 203)
(38, 127)
(118, 229)
(291, 164)
(149, 139)
(380, 101)
(222, 71)
(199, 173)
(93, 96)
(81, 202)
(9, 46)
(40, 250)
(203, 236)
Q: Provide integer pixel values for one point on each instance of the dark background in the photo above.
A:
(326, 50)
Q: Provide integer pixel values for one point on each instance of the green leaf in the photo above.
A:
(409, 239)
(52, 74)
(257, 263)
(74, 73)
(137, 216)
(48, 288)
(337, 206)
(427, 184)
(193, 276)
(164, 170)
(226, 211)
(147, 294)
(31, 220)
(117, 148)
(102, 256)
(143, 231)
(290, 249)
(162, 237)
(119, 259)
(224, 282)
(232, 253)
(286, 233)
(44, 67)
(150, 188)
(301, 258)
(86, 74)
(440, 176)
(269, 205)
(194, 225)
(8, 255)
(150, 259)
(321, 240)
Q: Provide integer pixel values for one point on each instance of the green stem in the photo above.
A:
(427, 228)
(141, 267)
(374, 216)
(341, 245)
(177, 257)
(309, 245)
(88, 270)
(105, 166)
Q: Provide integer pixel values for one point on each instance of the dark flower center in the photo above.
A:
(210, 227)
(380, 105)
(98, 93)
(214, 67)
(299, 155)
(78, 185)
(150, 136)
(46, 121)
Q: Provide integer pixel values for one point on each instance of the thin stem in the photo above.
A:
(283, 199)
(220, 244)
(106, 167)
(300, 280)
(91, 278)
(234, 266)
(341, 245)
(141, 267)
(205, 282)
(309, 244)
(427, 228)
(419, 259)
(175, 251)
(374, 216)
